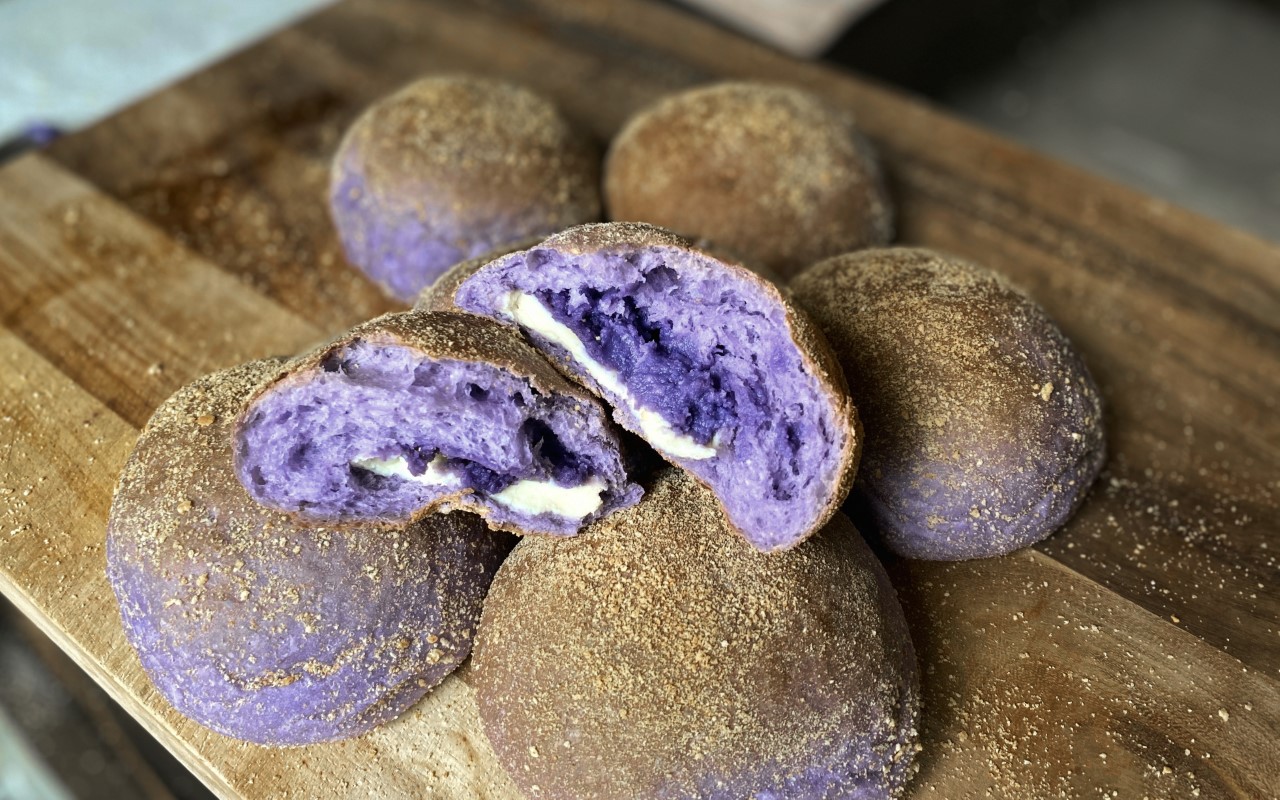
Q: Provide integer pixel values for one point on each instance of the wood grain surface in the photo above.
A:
(1135, 653)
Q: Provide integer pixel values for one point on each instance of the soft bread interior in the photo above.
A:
(378, 431)
(694, 357)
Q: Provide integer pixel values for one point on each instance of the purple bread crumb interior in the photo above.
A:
(700, 357)
(379, 427)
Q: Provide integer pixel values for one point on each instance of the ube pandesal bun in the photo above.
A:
(265, 628)
(450, 167)
(414, 413)
(708, 362)
(766, 171)
(657, 655)
(984, 428)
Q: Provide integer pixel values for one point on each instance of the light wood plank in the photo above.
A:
(116, 305)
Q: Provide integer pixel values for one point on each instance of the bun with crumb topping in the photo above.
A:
(768, 172)
(450, 167)
(707, 361)
(983, 426)
(658, 655)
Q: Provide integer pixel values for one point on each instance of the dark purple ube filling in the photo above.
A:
(708, 351)
(656, 367)
(335, 443)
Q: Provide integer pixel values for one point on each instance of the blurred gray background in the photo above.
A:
(1179, 98)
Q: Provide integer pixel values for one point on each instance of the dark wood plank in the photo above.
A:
(1039, 683)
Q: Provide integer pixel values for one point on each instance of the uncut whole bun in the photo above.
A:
(771, 173)
(984, 428)
(270, 630)
(450, 167)
(657, 655)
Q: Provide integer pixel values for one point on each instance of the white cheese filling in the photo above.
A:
(523, 496)
(543, 497)
(529, 312)
(436, 473)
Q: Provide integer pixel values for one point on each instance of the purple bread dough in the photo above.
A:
(984, 427)
(658, 655)
(270, 630)
(714, 350)
(450, 167)
(385, 391)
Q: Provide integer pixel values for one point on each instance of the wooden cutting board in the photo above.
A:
(1134, 654)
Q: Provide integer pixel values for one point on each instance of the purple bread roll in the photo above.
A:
(270, 630)
(770, 172)
(984, 428)
(657, 655)
(701, 357)
(417, 412)
(450, 167)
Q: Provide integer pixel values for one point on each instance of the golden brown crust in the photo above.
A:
(163, 481)
(815, 352)
(442, 336)
(707, 162)
(656, 649)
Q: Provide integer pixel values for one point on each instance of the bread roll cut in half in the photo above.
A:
(984, 428)
(708, 362)
(450, 167)
(265, 628)
(657, 655)
(413, 413)
(772, 173)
